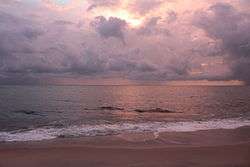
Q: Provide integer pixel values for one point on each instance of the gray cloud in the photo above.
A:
(144, 6)
(38, 46)
(16, 39)
(223, 22)
(112, 27)
(63, 22)
(172, 16)
(102, 3)
(151, 28)
(130, 66)
(89, 63)
(18, 80)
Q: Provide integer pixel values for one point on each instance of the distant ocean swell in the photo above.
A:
(112, 129)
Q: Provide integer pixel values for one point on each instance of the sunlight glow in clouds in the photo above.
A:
(124, 15)
(134, 40)
(121, 13)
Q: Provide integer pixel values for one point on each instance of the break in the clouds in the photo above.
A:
(53, 41)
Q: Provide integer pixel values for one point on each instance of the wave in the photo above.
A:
(111, 129)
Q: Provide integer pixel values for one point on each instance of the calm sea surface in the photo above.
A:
(97, 110)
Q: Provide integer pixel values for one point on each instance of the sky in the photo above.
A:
(123, 41)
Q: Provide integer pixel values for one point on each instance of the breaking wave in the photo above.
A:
(112, 129)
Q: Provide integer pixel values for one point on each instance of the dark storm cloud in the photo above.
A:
(223, 22)
(112, 27)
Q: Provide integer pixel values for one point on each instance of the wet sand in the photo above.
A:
(213, 148)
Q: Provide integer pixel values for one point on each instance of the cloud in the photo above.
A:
(63, 22)
(173, 42)
(144, 6)
(18, 80)
(112, 27)
(172, 16)
(102, 3)
(225, 23)
(130, 66)
(151, 27)
(17, 35)
(89, 63)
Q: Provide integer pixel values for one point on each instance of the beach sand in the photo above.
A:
(211, 148)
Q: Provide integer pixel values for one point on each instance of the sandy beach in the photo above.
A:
(125, 83)
(213, 148)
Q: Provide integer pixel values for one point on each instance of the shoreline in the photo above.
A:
(220, 148)
(40, 134)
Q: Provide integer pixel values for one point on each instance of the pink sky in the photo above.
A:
(123, 41)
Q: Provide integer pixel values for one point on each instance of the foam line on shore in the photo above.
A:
(108, 129)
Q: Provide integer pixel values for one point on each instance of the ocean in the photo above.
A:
(31, 113)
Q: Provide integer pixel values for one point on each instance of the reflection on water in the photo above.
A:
(67, 105)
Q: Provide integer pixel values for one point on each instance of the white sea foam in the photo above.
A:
(107, 129)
